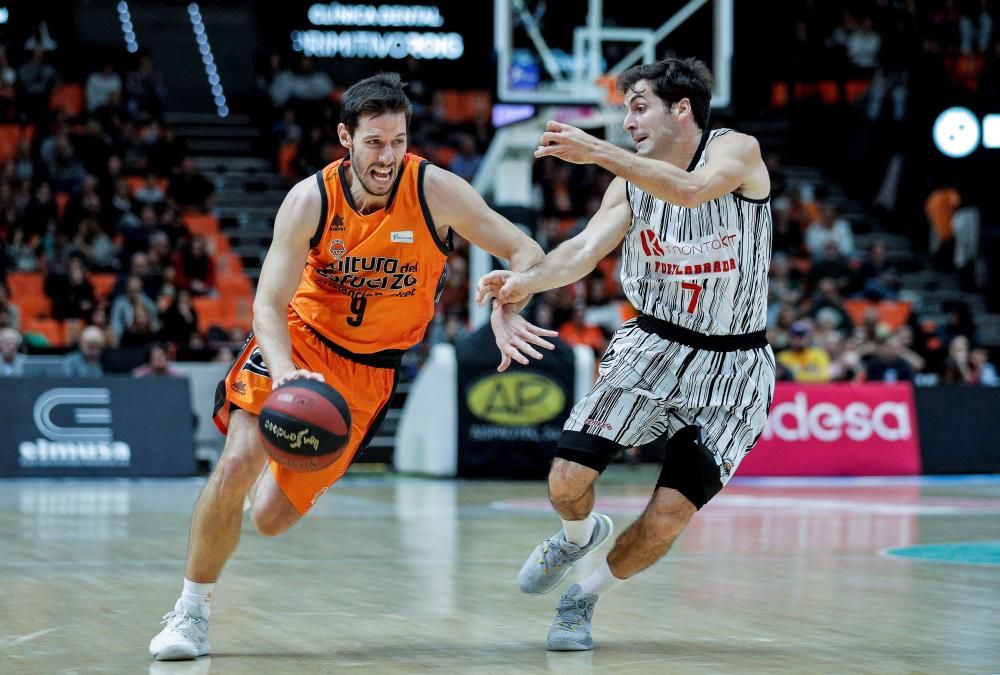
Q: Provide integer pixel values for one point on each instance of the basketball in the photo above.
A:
(305, 425)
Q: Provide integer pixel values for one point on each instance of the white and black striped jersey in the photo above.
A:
(704, 269)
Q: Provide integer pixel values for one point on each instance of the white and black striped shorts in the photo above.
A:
(650, 386)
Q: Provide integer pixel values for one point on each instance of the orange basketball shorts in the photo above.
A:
(366, 388)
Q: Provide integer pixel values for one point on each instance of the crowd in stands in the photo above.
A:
(97, 199)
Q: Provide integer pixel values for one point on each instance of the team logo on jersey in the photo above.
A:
(707, 256)
(337, 225)
(338, 248)
(404, 237)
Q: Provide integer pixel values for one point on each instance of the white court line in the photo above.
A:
(20, 639)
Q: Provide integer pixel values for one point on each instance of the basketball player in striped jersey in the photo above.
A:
(349, 283)
(691, 205)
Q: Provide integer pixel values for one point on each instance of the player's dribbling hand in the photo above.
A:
(300, 374)
(515, 336)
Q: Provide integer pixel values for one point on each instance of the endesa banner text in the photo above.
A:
(838, 430)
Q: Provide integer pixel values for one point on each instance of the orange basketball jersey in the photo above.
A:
(371, 281)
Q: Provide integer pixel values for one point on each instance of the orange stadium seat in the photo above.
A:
(213, 312)
(229, 264)
(10, 136)
(25, 284)
(34, 306)
(61, 199)
(235, 285)
(69, 97)
(286, 155)
(201, 223)
(104, 284)
(892, 313)
(134, 183)
(52, 330)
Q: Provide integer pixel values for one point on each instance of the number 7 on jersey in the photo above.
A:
(695, 292)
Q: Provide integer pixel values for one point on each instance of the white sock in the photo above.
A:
(600, 581)
(579, 531)
(197, 598)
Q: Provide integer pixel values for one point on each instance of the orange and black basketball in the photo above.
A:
(305, 425)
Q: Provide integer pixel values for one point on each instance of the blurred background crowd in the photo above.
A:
(113, 260)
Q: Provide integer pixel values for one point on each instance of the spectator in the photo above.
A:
(150, 193)
(984, 373)
(195, 268)
(64, 168)
(10, 314)
(142, 331)
(188, 189)
(104, 88)
(72, 294)
(829, 228)
(468, 159)
(863, 46)
(11, 360)
(124, 308)
(158, 364)
(36, 79)
(24, 164)
(21, 255)
(8, 89)
(957, 367)
(309, 84)
(166, 153)
(99, 318)
(975, 27)
(84, 204)
(180, 320)
(876, 277)
(40, 211)
(96, 246)
(802, 361)
(828, 296)
(144, 89)
(885, 363)
(86, 360)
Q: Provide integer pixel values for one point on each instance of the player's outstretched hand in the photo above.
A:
(504, 285)
(299, 374)
(567, 143)
(515, 336)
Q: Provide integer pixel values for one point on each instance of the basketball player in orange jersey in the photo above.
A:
(691, 205)
(349, 283)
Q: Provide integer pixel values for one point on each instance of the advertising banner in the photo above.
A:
(55, 427)
(959, 429)
(838, 430)
(509, 423)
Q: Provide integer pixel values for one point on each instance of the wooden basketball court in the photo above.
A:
(405, 575)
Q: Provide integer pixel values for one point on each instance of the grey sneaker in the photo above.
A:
(184, 637)
(571, 630)
(551, 560)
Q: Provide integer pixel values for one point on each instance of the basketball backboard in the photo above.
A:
(567, 52)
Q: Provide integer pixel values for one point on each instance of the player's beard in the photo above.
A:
(364, 183)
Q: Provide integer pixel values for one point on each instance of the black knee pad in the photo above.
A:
(690, 468)
(586, 449)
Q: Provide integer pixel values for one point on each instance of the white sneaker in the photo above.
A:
(184, 637)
